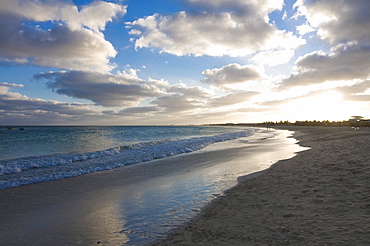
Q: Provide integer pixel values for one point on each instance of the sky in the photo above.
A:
(164, 62)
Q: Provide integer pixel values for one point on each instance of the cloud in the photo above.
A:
(74, 42)
(232, 98)
(139, 111)
(230, 74)
(338, 22)
(340, 99)
(177, 103)
(273, 58)
(93, 16)
(193, 92)
(196, 100)
(344, 63)
(357, 92)
(182, 99)
(6, 84)
(304, 29)
(265, 6)
(108, 90)
(16, 108)
(218, 31)
(344, 27)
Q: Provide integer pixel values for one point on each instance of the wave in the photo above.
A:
(45, 168)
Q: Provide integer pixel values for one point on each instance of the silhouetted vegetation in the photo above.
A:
(312, 123)
(354, 122)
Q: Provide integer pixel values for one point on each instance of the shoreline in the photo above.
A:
(319, 197)
(122, 205)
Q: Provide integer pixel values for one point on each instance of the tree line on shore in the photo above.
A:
(318, 123)
(327, 123)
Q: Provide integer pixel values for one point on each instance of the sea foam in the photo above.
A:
(45, 168)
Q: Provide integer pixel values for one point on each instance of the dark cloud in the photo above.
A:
(356, 92)
(191, 92)
(232, 98)
(182, 99)
(120, 90)
(139, 110)
(339, 21)
(23, 104)
(345, 63)
(177, 103)
(344, 25)
(19, 109)
(230, 74)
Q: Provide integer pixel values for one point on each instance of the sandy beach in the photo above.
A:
(135, 204)
(319, 197)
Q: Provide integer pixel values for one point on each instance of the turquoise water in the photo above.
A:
(51, 140)
(38, 154)
(147, 201)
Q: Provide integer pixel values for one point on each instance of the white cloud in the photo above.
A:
(93, 16)
(285, 16)
(265, 6)
(215, 32)
(273, 58)
(97, 14)
(304, 29)
(75, 42)
(5, 86)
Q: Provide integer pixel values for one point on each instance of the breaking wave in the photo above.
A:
(45, 168)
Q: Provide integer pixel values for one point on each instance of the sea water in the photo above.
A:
(43, 153)
(145, 210)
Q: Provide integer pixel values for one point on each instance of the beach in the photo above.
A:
(319, 197)
(136, 204)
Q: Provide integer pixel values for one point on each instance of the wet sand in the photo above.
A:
(135, 204)
(319, 197)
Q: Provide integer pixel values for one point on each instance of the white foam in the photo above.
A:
(30, 170)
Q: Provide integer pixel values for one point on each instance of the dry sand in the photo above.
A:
(319, 197)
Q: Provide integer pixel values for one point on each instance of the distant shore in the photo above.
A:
(325, 123)
(319, 197)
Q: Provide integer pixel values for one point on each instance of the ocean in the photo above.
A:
(43, 153)
(157, 178)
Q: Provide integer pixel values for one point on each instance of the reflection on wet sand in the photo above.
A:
(135, 204)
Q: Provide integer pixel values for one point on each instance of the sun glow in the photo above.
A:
(326, 106)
